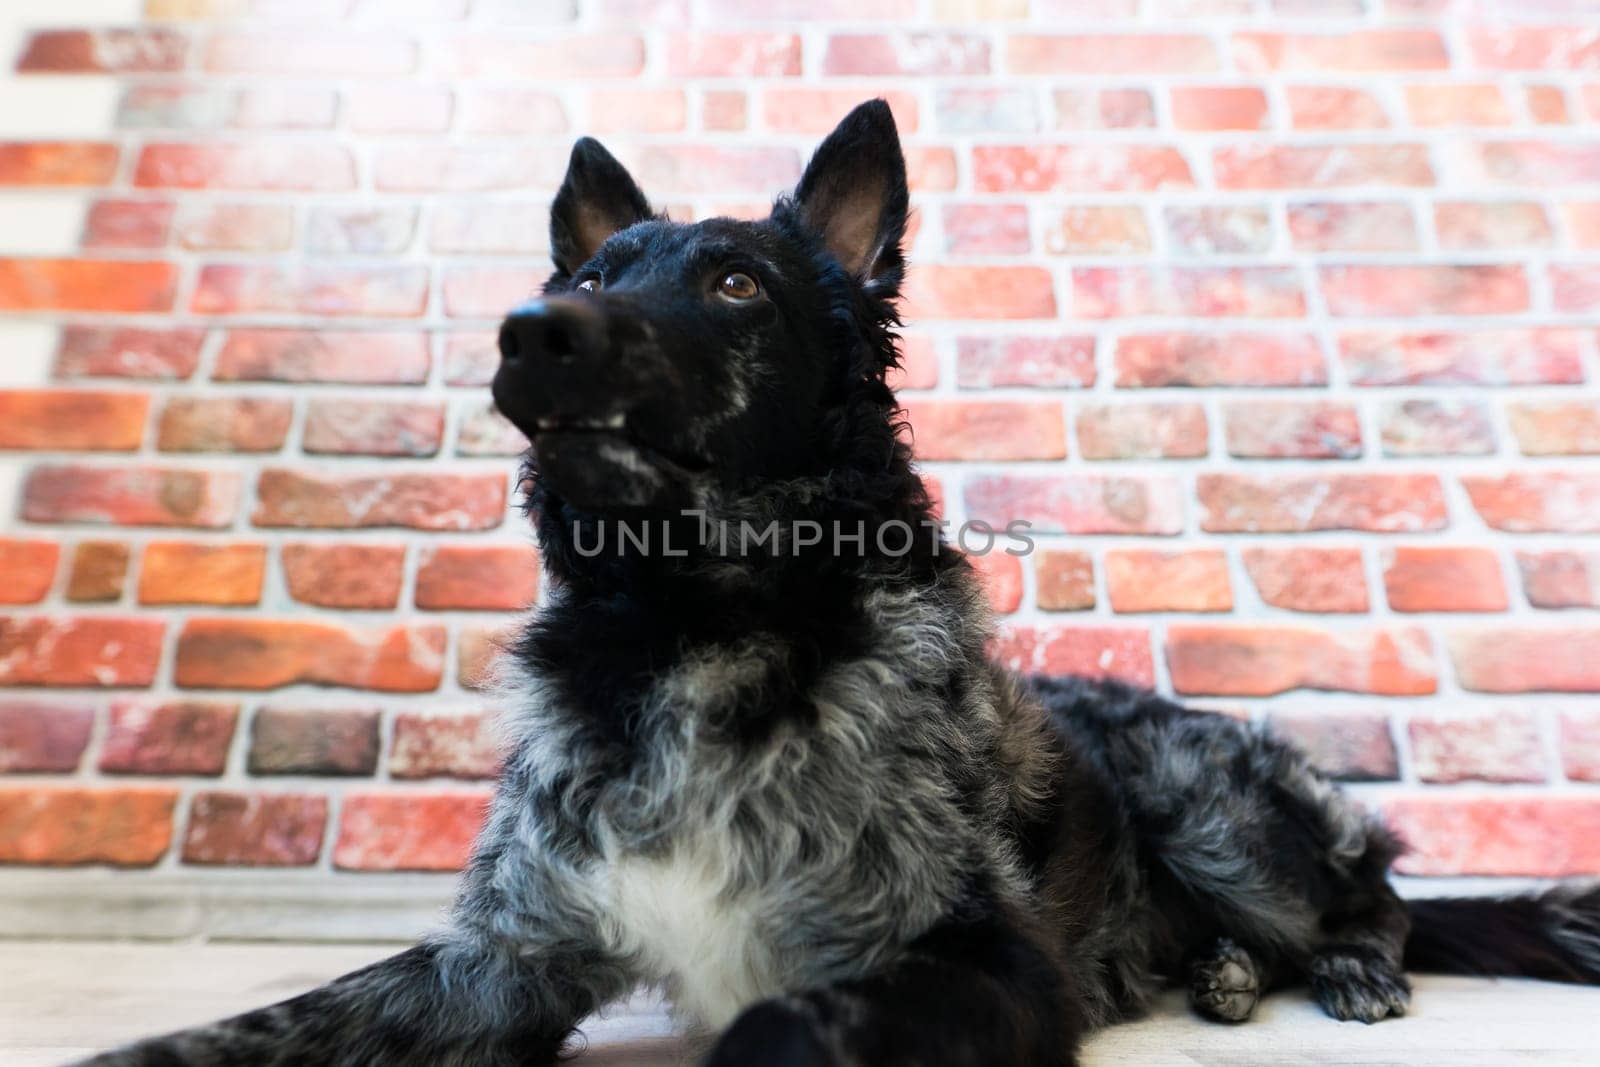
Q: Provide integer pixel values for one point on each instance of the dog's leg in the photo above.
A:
(1225, 981)
(1356, 973)
(983, 993)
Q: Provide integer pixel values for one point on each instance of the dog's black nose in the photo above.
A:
(554, 329)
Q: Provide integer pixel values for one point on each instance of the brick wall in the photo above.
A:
(1279, 320)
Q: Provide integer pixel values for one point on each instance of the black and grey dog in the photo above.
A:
(785, 783)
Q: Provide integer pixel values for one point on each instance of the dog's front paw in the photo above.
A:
(1358, 984)
(773, 1033)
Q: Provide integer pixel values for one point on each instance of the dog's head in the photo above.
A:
(667, 366)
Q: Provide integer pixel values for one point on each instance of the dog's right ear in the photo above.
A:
(597, 198)
(854, 194)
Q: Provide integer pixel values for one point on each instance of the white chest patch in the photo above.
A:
(705, 949)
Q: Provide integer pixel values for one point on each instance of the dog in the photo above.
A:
(785, 783)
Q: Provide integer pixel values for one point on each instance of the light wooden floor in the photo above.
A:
(60, 1000)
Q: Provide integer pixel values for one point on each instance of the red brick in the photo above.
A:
(300, 54)
(720, 11)
(1143, 580)
(1269, 166)
(128, 352)
(506, 110)
(1219, 108)
(86, 650)
(918, 369)
(344, 575)
(1527, 660)
(1096, 230)
(224, 424)
(692, 170)
(1457, 104)
(235, 227)
(724, 109)
(1081, 168)
(1501, 745)
(1350, 52)
(360, 229)
(1279, 429)
(1475, 225)
(398, 109)
(915, 54)
(41, 738)
(1479, 357)
(1106, 109)
(733, 55)
(477, 578)
(1264, 660)
(241, 653)
(1351, 746)
(107, 51)
(263, 164)
(485, 432)
(1345, 226)
(329, 741)
(156, 106)
(510, 57)
(985, 229)
(1575, 287)
(57, 827)
(1090, 651)
(373, 428)
(809, 110)
(985, 110)
(1322, 580)
(57, 163)
(1537, 501)
(1437, 427)
(1443, 579)
(986, 429)
(1296, 503)
(1142, 431)
(1580, 745)
(394, 291)
(1047, 361)
(1459, 833)
(1063, 580)
(1535, 163)
(1547, 105)
(98, 571)
(131, 496)
(365, 357)
(408, 832)
(1156, 360)
(1143, 53)
(180, 572)
(1489, 289)
(86, 285)
(255, 829)
(424, 500)
(71, 420)
(29, 568)
(1253, 292)
(1583, 223)
(1333, 107)
(1561, 579)
(942, 291)
(488, 292)
(186, 737)
(1535, 47)
(1000, 575)
(285, 108)
(431, 744)
(1078, 503)
(464, 168)
(477, 651)
(1556, 428)
(131, 224)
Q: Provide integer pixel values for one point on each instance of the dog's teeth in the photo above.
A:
(614, 422)
(545, 424)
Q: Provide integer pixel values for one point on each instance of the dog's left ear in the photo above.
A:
(854, 194)
(597, 198)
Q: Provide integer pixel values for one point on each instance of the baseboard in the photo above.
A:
(231, 905)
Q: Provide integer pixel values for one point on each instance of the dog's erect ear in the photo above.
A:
(854, 194)
(597, 198)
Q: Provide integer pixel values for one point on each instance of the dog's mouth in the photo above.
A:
(614, 439)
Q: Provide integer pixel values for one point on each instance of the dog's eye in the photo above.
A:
(589, 285)
(736, 285)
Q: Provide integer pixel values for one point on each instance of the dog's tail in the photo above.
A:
(1553, 935)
